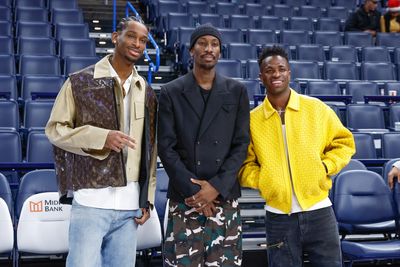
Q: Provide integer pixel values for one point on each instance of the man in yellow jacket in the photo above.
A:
(297, 143)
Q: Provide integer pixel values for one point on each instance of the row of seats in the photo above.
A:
(50, 4)
(47, 46)
(43, 65)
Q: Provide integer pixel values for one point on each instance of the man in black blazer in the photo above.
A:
(203, 136)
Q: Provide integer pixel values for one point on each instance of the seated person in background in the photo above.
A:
(390, 22)
(394, 173)
(366, 18)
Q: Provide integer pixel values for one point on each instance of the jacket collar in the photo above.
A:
(293, 104)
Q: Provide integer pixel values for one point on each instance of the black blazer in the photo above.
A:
(210, 146)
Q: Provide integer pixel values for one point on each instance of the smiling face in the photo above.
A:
(275, 75)
(206, 52)
(131, 41)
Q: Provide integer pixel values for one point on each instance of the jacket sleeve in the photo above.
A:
(339, 147)
(352, 23)
(228, 173)
(249, 174)
(167, 139)
(60, 129)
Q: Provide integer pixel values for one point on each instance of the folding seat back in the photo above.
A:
(394, 114)
(223, 8)
(231, 36)
(375, 54)
(260, 36)
(313, 12)
(8, 85)
(349, 4)
(43, 223)
(31, 14)
(215, 19)
(339, 12)
(5, 28)
(271, 23)
(184, 34)
(6, 224)
(242, 51)
(32, 84)
(253, 87)
(71, 31)
(301, 23)
(39, 148)
(36, 46)
(241, 22)
(33, 29)
(363, 116)
(358, 39)
(329, 24)
(323, 88)
(343, 53)
(296, 3)
(312, 52)
(365, 148)
(37, 113)
(294, 37)
(161, 192)
(375, 71)
(363, 198)
(195, 7)
(327, 38)
(388, 39)
(253, 9)
(392, 88)
(252, 69)
(391, 145)
(282, 11)
(230, 68)
(39, 65)
(396, 56)
(6, 45)
(6, 3)
(387, 168)
(321, 3)
(9, 111)
(359, 89)
(340, 71)
(10, 141)
(304, 70)
(77, 47)
(73, 64)
(30, 3)
(7, 66)
(62, 4)
(5, 13)
(66, 16)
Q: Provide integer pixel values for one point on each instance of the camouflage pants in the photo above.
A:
(195, 240)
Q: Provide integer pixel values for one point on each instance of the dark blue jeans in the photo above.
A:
(312, 232)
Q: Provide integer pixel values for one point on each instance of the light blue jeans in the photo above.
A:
(102, 237)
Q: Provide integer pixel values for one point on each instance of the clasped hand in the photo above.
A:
(204, 201)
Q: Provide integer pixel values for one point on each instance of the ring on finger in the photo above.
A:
(199, 204)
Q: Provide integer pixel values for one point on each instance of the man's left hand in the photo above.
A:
(206, 194)
(144, 218)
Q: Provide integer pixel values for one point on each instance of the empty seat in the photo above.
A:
(161, 193)
(252, 69)
(5, 13)
(312, 52)
(327, 38)
(30, 3)
(392, 88)
(5, 28)
(6, 3)
(301, 23)
(340, 71)
(253, 87)
(36, 46)
(242, 51)
(241, 22)
(271, 23)
(358, 39)
(339, 12)
(40, 84)
(304, 70)
(39, 148)
(37, 113)
(253, 9)
(6, 45)
(391, 145)
(223, 8)
(365, 117)
(8, 85)
(313, 12)
(375, 54)
(9, 114)
(66, 16)
(39, 65)
(71, 31)
(296, 3)
(33, 29)
(7, 66)
(375, 71)
(10, 142)
(328, 24)
(321, 3)
(293, 37)
(365, 148)
(394, 114)
(77, 47)
(70, 4)
(215, 19)
(229, 68)
(282, 11)
(31, 14)
(73, 64)
(323, 88)
(349, 4)
(388, 39)
(260, 36)
(359, 89)
(196, 7)
(231, 36)
(343, 53)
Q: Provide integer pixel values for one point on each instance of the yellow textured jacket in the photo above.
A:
(315, 136)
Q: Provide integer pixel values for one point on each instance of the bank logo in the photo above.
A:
(46, 205)
(36, 206)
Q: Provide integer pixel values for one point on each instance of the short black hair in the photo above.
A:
(274, 50)
(124, 21)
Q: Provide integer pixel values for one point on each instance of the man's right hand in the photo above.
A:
(117, 140)
(394, 172)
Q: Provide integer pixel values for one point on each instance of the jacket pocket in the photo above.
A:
(139, 110)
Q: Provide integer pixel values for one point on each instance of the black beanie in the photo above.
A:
(205, 29)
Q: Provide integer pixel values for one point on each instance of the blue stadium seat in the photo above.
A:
(173, 22)
(66, 16)
(396, 56)
(343, 53)
(301, 23)
(231, 35)
(7, 66)
(7, 3)
(329, 24)
(321, 3)
(339, 12)
(388, 39)
(39, 148)
(36, 46)
(358, 39)
(40, 84)
(358, 89)
(5, 13)
(30, 3)
(77, 47)
(378, 71)
(39, 65)
(31, 14)
(73, 64)
(387, 168)
(71, 31)
(271, 23)
(392, 88)
(284, 11)
(313, 12)
(296, 3)
(260, 36)
(215, 19)
(294, 37)
(161, 193)
(10, 141)
(241, 22)
(196, 7)
(223, 8)
(8, 85)
(241, 51)
(323, 88)
(375, 54)
(340, 70)
(255, 9)
(36, 114)
(5, 28)
(6, 45)
(252, 69)
(327, 38)
(366, 118)
(230, 68)
(391, 145)
(365, 148)
(394, 114)
(304, 70)
(9, 118)
(70, 4)
(312, 52)
(253, 87)
(33, 29)
(349, 4)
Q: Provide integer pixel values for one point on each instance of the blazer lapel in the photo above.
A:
(214, 104)
(192, 94)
